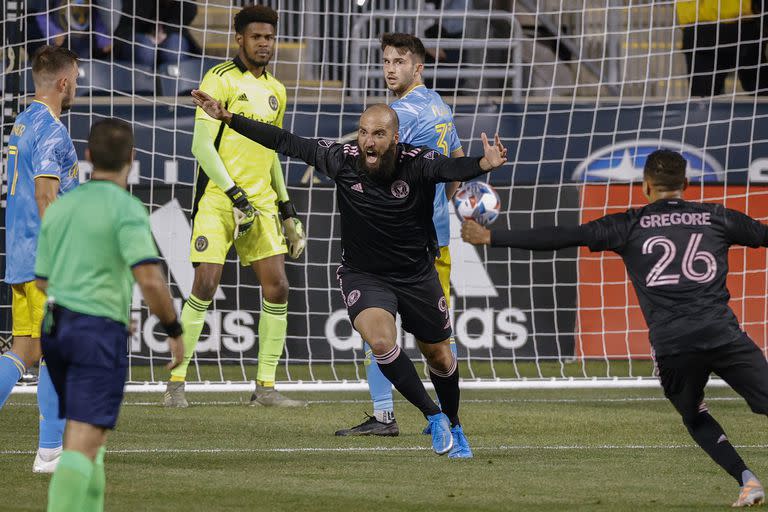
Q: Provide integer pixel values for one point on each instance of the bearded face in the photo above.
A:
(377, 139)
(258, 43)
(380, 165)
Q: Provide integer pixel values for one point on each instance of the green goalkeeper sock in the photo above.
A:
(272, 326)
(70, 481)
(94, 497)
(192, 320)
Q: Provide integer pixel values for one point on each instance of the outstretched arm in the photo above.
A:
(742, 229)
(267, 135)
(453, 186)
(548, 238)
(444, 169)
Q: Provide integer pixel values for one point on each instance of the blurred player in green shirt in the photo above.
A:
(93, 244)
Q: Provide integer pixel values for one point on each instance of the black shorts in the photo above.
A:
(741, 364)
(87, 358)
(422, 305)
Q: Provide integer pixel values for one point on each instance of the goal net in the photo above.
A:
(581, 91)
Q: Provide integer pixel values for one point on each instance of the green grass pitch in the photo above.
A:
(580, 450)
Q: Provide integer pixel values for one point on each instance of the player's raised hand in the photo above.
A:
(177, 351)
(494, 156)
(474, 233)
(212, 107)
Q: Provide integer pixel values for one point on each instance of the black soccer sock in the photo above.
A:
(447, 388)
(398, 368)
(710, 436)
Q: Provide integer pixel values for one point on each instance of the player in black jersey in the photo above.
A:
(385, 193)
(676, 254)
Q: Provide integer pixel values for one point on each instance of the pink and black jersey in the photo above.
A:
(676, 254)
(386, 228)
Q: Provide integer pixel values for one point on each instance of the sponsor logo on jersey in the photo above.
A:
(358, 187)
(400, 189)
(624, 162)
(201, 244)
(273, 102)
(353, 297)
(326, 143)
(242, 97)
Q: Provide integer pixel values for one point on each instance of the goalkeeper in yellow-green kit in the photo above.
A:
(241, 198)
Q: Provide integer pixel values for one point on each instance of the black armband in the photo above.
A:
(287, 210)
(173, 329)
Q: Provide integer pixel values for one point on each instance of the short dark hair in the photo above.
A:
(111, 144)
(52, 60)
(255, 14)
(665, 169)
(404, 43)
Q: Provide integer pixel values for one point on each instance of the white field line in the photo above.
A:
(466, 401)
(501, 448)
(559, 384)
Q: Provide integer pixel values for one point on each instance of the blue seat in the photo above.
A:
(102, 78)
(179, 79)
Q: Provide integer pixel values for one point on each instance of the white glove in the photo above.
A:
(294, 234)
(243, 220)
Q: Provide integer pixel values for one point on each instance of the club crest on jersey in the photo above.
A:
(325, 143)
(201, 244)
(624, 162)
(431, 155)
(273, 102)
(400, 189)
(442, 304)
(353, 296)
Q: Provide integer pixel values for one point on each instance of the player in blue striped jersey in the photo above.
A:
(41, 165)
(425, 120)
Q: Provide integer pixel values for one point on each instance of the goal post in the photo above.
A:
(580, 93)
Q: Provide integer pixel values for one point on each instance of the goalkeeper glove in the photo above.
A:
(243, 211)
(294, 231)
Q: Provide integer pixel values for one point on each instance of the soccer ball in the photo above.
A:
(477, 201)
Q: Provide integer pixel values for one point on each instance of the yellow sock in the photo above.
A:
(192, 320)
(273, 323)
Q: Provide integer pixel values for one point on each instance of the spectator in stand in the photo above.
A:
(722, 36)
(151, 33)
(446, 28)
(73, 24)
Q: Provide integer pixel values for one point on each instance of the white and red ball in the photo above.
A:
(477, 201)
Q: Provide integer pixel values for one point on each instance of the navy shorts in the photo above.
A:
(422, 305)
(87, 358)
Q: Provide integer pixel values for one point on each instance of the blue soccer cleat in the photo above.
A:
(461, 449)
(442, 439)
